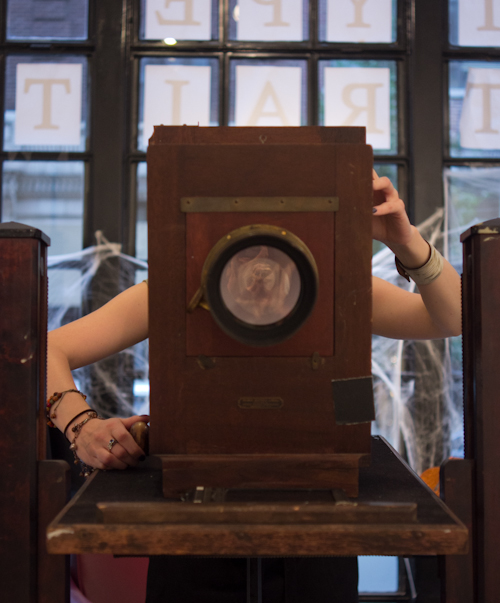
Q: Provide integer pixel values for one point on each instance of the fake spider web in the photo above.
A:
(418, 393)
(82, 282)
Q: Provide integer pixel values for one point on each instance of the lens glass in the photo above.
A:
(260, 285)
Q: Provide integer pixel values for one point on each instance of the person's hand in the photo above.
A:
(93, 443)
(390, 221)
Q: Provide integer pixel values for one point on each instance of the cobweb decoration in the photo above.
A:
(418, 385)
(417, 398)
(84, 281)
(418, 402)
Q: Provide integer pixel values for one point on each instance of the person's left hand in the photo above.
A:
(390, 221)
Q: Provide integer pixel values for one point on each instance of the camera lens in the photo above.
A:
(260, 283)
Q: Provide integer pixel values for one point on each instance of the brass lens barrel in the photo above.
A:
(260, 283)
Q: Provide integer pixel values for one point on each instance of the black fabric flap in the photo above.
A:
(353, 400)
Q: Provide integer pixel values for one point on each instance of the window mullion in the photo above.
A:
(108, 132)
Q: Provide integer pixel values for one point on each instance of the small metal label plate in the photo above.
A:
(259, 204)
(266, 403)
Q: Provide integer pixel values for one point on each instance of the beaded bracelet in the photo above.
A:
(76, 429)
(76, 417)
(56, 399)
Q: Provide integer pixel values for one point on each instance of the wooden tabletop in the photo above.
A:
(124, 513)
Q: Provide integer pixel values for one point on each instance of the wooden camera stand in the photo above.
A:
(225, 412)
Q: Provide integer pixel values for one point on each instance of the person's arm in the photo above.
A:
(119, 324)
(433, 313)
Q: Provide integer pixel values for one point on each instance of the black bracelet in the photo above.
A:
(75, 417)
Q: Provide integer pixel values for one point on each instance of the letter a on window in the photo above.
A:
(268, 96)
(48, 104)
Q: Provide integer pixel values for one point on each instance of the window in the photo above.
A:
(111, 71)
(260, 63)
(47, 21)
(46, 119)
(48, 195)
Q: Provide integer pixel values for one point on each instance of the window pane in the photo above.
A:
(141, 225)
(267, 93)
(370, 21)
(474, 109)
(66, 287)
(47, 20)
(179, 20)
(361, 93)
(280, 21)
(117, 386)
(177, 91)
(46, 107)
(474, 22)
(389, 171)
(47, 195)
(472, 195)
(378, 574)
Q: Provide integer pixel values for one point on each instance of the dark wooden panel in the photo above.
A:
(304, 424)
(184, 472)
(260, 136)
(261, 540)
(481, 312)
(456, 487)
(252, 513)
(23, 325)
(53, 494)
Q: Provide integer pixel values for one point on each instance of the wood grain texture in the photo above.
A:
(286, 471)
(261, 540)
(481, 340)
(53, 494)
(23, 327)
(183, 472)
(456, 487)
(262, 513)
(260, 136)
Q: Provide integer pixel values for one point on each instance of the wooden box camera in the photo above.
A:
(260, 306)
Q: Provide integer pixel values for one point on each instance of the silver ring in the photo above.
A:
(111, 443)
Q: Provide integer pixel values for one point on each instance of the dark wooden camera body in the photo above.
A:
(199, 375)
